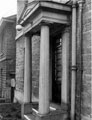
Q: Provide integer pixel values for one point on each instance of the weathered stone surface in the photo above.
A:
(7, 57)
(20, 54)
(83, 97)
(35, 65)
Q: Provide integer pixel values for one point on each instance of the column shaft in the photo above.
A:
(44, 71)
(28, 71)
(65, 66)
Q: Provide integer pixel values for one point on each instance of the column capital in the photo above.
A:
(45, 23)
(80, 1)
(66, 29)
(74, 4)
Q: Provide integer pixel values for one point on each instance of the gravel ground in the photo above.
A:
(10, 111)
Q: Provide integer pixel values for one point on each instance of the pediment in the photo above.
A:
(48, 12)
(44, 5)
(28, 9)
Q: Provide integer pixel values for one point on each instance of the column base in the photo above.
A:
(26, 108)
(58, 114)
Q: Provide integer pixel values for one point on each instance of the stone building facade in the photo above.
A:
(7, 55)
(53, 59)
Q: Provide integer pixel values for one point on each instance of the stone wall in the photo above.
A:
(10, 52)
(83, 92)
(2, 77)
(20, 53)
(20, 57)
(35, 66)
(86, 83)
(7, 59)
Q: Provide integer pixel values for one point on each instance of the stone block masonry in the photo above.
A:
(20, 55)
(7, 57)
(35, 66)
(87, 61)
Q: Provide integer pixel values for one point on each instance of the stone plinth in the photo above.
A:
(58, 114)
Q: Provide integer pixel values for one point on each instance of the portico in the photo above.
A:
(49, 20)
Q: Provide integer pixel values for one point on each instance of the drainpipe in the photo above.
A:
(73, 67)
(79, 53)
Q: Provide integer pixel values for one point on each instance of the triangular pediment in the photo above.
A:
(44, 12)
(28, 9)
(35, 5)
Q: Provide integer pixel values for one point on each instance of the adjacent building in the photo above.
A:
(54, 59)
(7, 55)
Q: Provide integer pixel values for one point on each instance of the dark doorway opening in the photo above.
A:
(56, 69)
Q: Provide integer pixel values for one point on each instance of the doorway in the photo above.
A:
(56, 69)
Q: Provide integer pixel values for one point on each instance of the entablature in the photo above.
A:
(47, 12)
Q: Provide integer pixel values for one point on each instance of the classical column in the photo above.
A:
(65, 66)
(50, 80)
(28, 71)
(44, 71)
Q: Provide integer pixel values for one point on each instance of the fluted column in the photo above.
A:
(28, 71)
(44, 71)
(65, 65)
